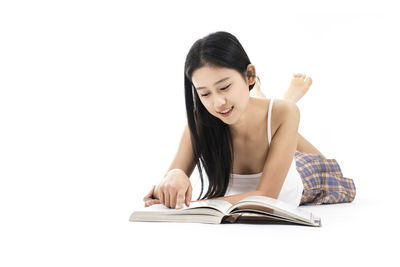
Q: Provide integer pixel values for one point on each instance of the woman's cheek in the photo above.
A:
(206, 105)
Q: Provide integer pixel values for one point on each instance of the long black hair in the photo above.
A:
(211, 138)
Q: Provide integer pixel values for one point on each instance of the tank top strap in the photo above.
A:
(269, 121)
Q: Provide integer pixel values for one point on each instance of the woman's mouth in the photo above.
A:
(227, 112)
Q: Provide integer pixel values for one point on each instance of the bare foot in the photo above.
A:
(298, 87)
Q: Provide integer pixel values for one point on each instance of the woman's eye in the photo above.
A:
(225, 87)
(221, 89)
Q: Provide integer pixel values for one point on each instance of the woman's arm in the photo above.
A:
(184, 157)
(175, 188)
(282, 148)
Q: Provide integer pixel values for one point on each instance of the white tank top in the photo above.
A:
(292, 188)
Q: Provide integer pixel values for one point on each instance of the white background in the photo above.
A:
(92, 111)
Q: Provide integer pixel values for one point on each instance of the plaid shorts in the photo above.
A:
(323, 180)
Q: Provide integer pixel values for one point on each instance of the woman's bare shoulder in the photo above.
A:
(282, 106)
(282, 109)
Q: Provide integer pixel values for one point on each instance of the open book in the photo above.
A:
(253, 209)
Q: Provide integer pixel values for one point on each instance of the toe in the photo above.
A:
(308, 81)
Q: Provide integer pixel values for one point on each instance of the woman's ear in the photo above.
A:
(251, 74)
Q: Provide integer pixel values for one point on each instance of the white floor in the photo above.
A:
(361, 232)
(91, 228)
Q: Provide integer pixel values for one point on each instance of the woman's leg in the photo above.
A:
(304, 146)
(297, 89)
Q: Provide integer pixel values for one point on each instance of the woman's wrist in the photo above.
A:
(173, 170)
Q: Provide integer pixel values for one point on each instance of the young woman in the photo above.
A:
(246, 145)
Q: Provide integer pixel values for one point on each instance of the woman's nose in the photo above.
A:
(219, 102)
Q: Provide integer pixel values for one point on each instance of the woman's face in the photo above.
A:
(220, 89)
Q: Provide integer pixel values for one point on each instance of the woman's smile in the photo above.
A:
(227, 113)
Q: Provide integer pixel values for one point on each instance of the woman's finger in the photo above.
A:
(172, 200)
(166, 199)
(161, 195)
(151, 202)
(180, 200)
(188, 196)
(155, 201)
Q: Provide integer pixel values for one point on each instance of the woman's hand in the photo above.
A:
(174, 190)
(149, 200)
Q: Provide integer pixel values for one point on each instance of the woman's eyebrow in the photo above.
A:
(220, 81)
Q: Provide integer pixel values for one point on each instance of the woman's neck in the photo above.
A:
(249, 122)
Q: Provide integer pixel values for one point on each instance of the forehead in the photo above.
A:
(206, 76)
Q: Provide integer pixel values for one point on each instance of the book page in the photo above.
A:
(271, 205)
(247, 217)
(219, 205)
